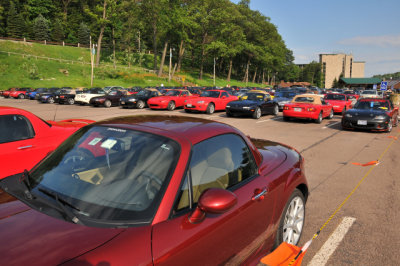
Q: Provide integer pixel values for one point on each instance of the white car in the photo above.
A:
(84, 98)
(370, 94)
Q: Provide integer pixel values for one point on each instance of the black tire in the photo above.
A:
(21, 96)
(107, 103)
(188, 111)
(140, 104)
(50, 100)
(296, 195)
(210, 108)
(344, 110)
(171, 106)
(70, 101)
(275, 111)
(257, 113)
(389, 126)
(330, 114)
(228, 113)
(319, 119)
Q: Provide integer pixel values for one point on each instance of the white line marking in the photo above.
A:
(331, 125)
(322, 256)
(262, 121)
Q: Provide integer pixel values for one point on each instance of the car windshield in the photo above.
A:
(304, 99)
(143, 93)
(212, 94)
(173, 93)
(337, 97)
(372, 105)
(113, 93)
(95, 91)
(255, 96)
(109, 174)
(368, 92)
(285, 94)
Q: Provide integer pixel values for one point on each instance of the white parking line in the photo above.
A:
(325, 127)
(266, 120)
(262, 121)
(322, 256)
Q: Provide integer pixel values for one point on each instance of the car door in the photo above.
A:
(223, 162)
(267, 105)
(222, 101)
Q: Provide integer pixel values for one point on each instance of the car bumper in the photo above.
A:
(301, 115)
(128, 103)
(337, 108)
(370, 124)
(158, 106)
(240, 111)
(200, 108)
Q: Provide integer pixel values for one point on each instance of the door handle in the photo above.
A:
(259, 194)
(24, 147)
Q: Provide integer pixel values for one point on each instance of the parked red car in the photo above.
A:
(340, 102)
(20, 93)
(166, 190)
(308, 106)
(25, 138)
(171, 100)
(6, 94)
(209, 101)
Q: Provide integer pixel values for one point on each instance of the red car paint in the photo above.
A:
(20, 93)
(162, 102)
(16, 156)
(201, 103)
(6, 94)
(241, 235)
(338, 105)
(306, 110)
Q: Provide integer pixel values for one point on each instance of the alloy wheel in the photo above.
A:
(294, 221)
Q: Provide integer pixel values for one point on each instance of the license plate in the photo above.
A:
(122, 102)
(336, 106)
(297, 109)
(362, 122)
(189, 105)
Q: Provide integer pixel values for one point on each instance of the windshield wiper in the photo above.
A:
(27, 184)
(63, 205)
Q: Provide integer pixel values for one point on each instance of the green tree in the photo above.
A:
(41, 28)
(83, 33)
(15, 23)
(57, 33)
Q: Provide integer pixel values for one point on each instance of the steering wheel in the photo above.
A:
(78, 159)
(151, 189)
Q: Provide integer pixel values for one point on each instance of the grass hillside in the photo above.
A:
(20, 70)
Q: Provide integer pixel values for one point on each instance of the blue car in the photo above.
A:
(32, 94)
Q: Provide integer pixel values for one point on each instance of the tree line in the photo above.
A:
(200, 35)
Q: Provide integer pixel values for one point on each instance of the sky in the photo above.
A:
(367, 29)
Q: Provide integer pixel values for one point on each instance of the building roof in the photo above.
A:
(361, 80)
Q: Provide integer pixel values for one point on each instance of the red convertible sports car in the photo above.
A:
(171, 100)
(307, 106)
(25, 138)
(209, 101)
(152, 190)
(340, 102)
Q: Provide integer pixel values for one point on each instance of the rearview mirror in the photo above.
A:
(213, 200)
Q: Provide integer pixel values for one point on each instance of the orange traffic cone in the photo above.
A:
(367, 164)
(286, 255)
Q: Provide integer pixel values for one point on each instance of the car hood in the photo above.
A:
(244, 103)
(362, 112)
(29, 236)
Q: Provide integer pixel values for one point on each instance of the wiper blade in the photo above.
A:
(24, 180)
(63, 205)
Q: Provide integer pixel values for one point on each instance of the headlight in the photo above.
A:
(132, 100)
(379, 117)
(200, 102)
(228, 106)
(246, 108)
(348, 115)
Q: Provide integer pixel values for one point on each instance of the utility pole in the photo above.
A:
(170, 64)
(214, 71)
(92, 53)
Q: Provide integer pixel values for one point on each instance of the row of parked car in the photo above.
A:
(255, 102)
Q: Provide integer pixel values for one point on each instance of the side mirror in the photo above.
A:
(213, 200)
(223, 97)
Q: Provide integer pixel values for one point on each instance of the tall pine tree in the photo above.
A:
(41, 28)
(83, 33)
(58, 31)
(15, 23)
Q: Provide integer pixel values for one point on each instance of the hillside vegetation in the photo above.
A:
(28, 71)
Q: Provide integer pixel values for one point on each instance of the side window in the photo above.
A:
(184, 93)
(14, 128)
(225, 94)
(219, 162)
(267, 97)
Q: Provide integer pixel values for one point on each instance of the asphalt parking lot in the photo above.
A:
(371, 237)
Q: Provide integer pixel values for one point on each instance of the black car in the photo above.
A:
(68, 96)
(284, 97)
(49, 96)
(372, 114)
(112, 98)
(256, 104)
(139, 100)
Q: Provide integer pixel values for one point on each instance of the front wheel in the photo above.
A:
(21, 96)
(330, 114)
(210, 108)
(107, 103)
(390, 126)
(171, 106)
(292, 220)
(319, 119)
(70, 101)
(140, 104)
(50, 100)
(275, 110)
(257, 113)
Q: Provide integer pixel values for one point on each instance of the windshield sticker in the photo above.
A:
(383, 108)
(165, 147)
(116, 129)
(108, 144)
(372, 104)
(94, 141)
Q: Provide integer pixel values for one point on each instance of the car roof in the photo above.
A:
(190, 128)
(316, 97)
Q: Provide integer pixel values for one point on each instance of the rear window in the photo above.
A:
(304, 99)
